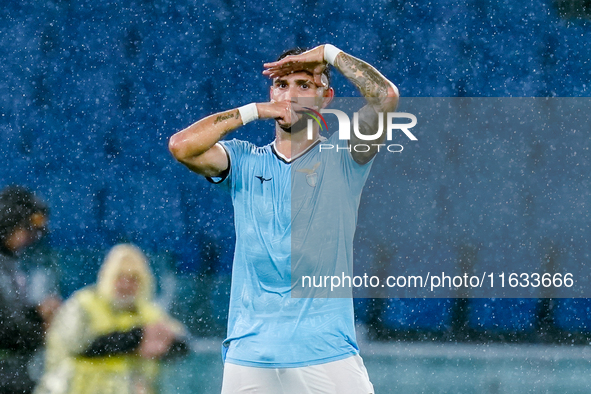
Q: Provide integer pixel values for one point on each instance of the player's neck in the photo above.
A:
(292, 144)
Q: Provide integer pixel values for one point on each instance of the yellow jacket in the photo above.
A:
(83, 318)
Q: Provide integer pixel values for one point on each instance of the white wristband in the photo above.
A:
(248, 113)
(330, 53)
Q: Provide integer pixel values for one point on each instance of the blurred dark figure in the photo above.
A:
(23, 221)
(109, 338)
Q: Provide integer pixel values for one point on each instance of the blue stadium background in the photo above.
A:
(91, 91)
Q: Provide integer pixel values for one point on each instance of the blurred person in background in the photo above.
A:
(110, 337)
(23, 222)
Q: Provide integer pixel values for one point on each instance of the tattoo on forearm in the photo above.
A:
(221, 118)
(365, 77)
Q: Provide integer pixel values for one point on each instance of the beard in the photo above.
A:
(300, 125)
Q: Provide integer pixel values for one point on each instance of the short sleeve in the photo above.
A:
(235, 149)
(356, 174)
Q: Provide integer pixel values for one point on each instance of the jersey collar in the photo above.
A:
(284, 159)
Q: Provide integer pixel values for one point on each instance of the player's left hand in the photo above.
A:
(311, 61)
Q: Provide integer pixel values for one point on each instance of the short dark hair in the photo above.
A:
(300, 50)
(17, 205)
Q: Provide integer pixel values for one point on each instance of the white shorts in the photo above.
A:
(347, 376)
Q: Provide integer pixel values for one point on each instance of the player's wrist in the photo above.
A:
(248, 113)
(330, 53)
(267, 110)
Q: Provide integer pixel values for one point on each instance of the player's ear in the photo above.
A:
(327, 97)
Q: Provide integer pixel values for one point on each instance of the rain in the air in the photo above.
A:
(307, 196)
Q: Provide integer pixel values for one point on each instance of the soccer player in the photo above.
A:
(295, 211)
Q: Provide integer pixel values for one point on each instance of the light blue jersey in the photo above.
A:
(305, 211)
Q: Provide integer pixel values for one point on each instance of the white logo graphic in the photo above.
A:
(345, 130)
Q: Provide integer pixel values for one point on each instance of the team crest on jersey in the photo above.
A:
(312, 179)
(311, 175)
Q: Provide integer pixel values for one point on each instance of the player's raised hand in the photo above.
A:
(311, 61)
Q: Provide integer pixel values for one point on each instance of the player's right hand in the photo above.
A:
(282, 111)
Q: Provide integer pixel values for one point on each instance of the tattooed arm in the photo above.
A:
(379, 91)
(197, 146)
(381, 94)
